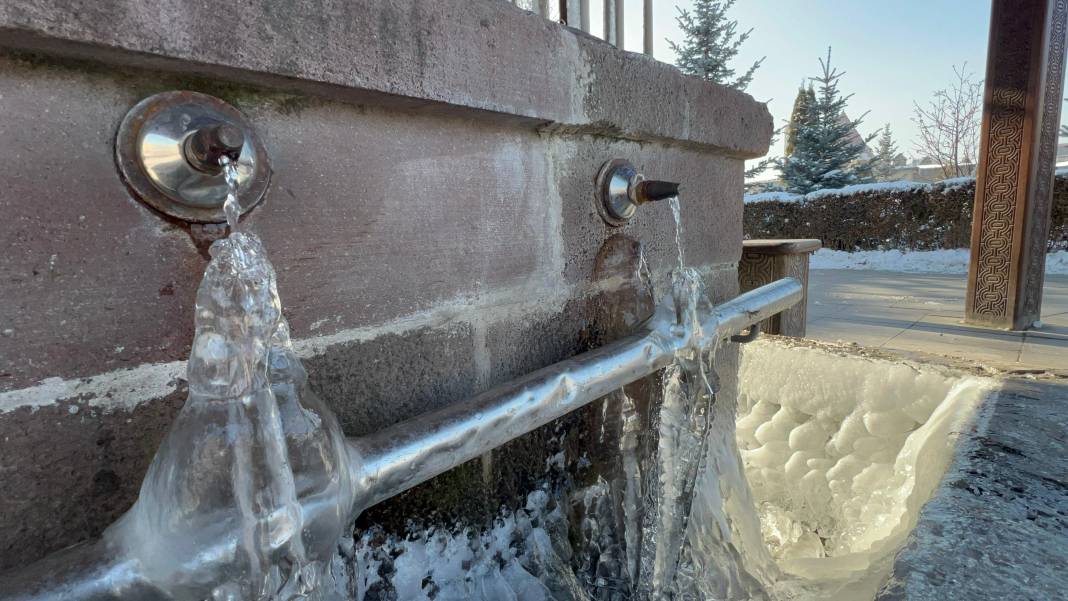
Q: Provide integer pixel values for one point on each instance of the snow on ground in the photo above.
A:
(925, 261)
(899, 186)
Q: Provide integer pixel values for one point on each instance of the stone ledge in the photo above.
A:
(451, 55)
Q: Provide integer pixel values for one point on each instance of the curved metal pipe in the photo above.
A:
(412, 452)
(751, 335)
(754, 331)
(89, 571)
(400, 457)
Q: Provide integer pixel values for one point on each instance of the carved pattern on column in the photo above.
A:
(1051, 110)
(1002, 165)
(755, 270)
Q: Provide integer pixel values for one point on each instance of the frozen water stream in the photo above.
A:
(803, 491)
(807, 498)
(249, 442)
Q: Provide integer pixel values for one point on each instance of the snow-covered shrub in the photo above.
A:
(883, 216)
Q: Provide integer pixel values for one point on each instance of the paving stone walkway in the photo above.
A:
(922, 312)
(997, 527)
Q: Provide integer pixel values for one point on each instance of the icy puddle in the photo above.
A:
(841, 451)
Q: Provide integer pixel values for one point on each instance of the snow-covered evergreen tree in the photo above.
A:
(885, 154)
(806, 97)
(711, 43)
(826, 152)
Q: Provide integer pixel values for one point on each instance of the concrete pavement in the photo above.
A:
(923, 312)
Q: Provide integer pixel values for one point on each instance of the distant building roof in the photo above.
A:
(856, 138)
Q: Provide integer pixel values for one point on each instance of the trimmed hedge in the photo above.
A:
(885, 216)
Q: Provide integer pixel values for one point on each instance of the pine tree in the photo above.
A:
(885, 154)
(712, 41)
(806, 97)
(825, 153)
(755, 169)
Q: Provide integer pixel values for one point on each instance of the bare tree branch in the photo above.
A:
(949, 125)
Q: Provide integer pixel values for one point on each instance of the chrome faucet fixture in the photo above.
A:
(170, 149)
(621, 190)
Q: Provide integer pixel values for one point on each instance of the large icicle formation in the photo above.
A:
(249, 443)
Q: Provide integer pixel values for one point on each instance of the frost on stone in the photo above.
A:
(251, 441)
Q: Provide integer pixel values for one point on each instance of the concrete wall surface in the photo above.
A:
(431, 218)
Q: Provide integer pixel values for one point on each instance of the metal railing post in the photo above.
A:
(619, 24)
(610, 21)
(571, 13)
(647, 23)
(576, 13)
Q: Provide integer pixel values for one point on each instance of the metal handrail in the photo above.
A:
(393, 460)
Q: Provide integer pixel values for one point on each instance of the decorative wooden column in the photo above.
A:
(763, 262)
(1021, 119)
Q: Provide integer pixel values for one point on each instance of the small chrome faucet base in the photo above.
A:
(621, 190)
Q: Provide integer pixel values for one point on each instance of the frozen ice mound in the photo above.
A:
(250, 445)
(841, 451)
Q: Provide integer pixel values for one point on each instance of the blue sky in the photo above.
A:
(893, 51)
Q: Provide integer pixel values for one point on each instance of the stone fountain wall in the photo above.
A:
(431, 217)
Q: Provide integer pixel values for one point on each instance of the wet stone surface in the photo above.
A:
(997, 528)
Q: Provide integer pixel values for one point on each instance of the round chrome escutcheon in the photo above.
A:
(151, 150)
(613, 191)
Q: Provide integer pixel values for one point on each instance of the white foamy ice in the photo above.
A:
(514, 559)
(841, 451)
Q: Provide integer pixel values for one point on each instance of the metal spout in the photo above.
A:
(621, 190)
(207, 146)
(651, 190)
